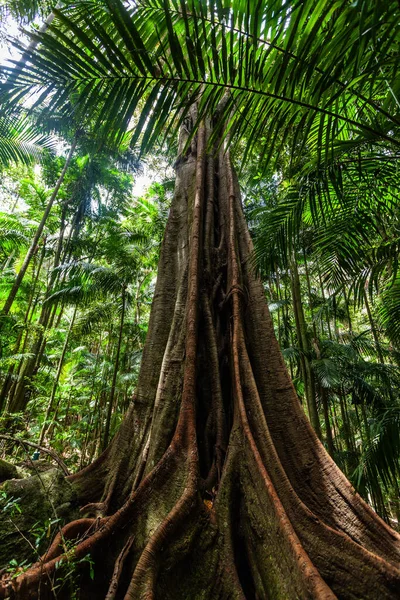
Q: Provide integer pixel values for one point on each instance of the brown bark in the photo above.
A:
(216, 485)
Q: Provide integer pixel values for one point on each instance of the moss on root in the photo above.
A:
(27, 507)
(8, 471)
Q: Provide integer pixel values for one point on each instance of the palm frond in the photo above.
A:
(20, 141)
(93, 316)
(103, 61)
(379, 462)
(389, 312)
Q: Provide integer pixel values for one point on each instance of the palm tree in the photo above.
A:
(120, 251)
(216, 485)
(39, 231)
(79, 198)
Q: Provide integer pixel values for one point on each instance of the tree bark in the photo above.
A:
(216, 486)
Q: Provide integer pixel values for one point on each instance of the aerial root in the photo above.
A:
(94, 532)
(144, 576)
(81, 529)
(119, 564)
(214, 474)
(100, 509)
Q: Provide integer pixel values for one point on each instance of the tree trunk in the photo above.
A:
(20, 396)
(46, 427)
(115, 371)
(373, 328)
(89, 428)
(24, 267)
(34, 297)
(216, 486)
(305, 348)
(21, 393)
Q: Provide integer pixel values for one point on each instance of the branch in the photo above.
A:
(51, 453)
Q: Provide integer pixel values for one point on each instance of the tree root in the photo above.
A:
(119, 564)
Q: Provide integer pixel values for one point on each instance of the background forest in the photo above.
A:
(79, 244)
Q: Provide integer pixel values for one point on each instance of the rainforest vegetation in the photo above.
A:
(200, 299)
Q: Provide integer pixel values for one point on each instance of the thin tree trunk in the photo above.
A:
(373, 328)
(327, 312)
(347, 304)
(115, 372)
(366, 424)
(328, 428)
(45, 427)
(28, 316)
(21, 273)
(18, 395)
(8, 261)
(335, 419)
(308, 375)
(347, 435)
(322, 391)
(92, 412)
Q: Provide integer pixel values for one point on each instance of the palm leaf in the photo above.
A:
(20, 141)
(264, 57)
(389, 311)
